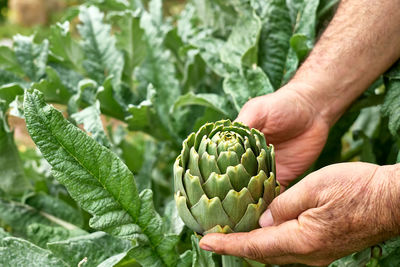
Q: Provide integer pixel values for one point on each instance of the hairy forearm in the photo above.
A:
(360, 43)
(389, 177)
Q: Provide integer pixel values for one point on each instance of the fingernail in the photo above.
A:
(266, 219)
(206, 247)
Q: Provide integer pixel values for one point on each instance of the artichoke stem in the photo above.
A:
(232, 261)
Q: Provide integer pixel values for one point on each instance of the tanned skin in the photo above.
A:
(341, 208)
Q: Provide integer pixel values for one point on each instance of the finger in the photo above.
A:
(283, 243)
(290, 204)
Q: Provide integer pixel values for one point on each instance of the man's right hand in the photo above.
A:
(292, 124)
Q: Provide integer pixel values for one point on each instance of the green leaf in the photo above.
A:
(246, 84)
(3, 234)
(9, 92)
(303, 39)
(41, 234)
(201, 257)
(144, 117)
(154, 230)
(12, 177)
(194, 73)
(274, 39)
(213, 101)
(159, 71)
(390, 252)
(95, 247)
(121, 259)
(241, 48)
(101, 55)
(64, 47)
(102, 185)
(130, 40)
(391, 103)
(32, 57)
(90, 118)
(219, 16)
(185, 259)
(326, 7)
(8, 61)
(10, 77)
(210, 48)
(16, 217)
(353, 260)
(174, 222)
(108, 104)
(367, 154)
(19, 252)
(56, 207)
(332, 151)
(52, 87)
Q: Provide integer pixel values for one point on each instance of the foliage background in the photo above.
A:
(138, 77)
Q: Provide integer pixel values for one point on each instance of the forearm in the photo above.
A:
(389, 183)
(361, 42)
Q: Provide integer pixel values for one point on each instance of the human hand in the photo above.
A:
(331, 213)
(290, 122)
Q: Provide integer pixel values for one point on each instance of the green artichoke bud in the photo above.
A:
(224, 178)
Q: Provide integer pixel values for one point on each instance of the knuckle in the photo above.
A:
(252, 251)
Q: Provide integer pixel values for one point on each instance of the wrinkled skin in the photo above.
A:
(291, 123)
(331, 213)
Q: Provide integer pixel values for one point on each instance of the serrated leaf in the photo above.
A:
(102, 185)
(19, 252)
(31, 57)
(159, 71)
(64, 47)
(164, 243)
(102, 58)
(95, 247)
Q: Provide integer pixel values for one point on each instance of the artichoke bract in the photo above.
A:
(224, 178)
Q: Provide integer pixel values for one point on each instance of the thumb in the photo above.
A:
(290, 204)
(269, 244)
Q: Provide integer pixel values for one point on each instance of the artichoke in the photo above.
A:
(224, 178)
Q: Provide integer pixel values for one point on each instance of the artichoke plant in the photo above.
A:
(224, 178)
